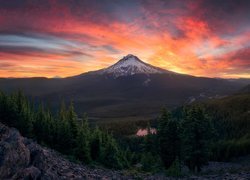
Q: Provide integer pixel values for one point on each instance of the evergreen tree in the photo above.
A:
(50, 128)
(169, 140)
(148, 161)
(39, 124)
(96, 144)
(84, 124)
(72, 119)
(163, 122)
(111, 154)
(83, 141)
(22, 113)
(196, 138)
(150, 141)
(83, 146)
(64, 133)
(63, 112)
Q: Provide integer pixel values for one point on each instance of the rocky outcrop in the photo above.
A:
(13, 152)
(22, 158)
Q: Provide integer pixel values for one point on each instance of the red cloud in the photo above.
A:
(186, 38)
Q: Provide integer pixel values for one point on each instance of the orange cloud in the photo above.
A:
(62, 39)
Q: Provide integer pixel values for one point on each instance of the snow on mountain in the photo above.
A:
(130, 65)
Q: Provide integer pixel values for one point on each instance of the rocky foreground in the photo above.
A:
(22, 158)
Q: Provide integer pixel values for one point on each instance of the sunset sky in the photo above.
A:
(68, 37)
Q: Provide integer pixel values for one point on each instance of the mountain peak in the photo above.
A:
(130, 60)
(130, 65)
(130, 56)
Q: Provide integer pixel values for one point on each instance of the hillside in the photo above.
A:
(232, 114)
(22, 158)
(245, 90)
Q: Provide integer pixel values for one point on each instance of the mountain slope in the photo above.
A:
(129, 88)
(130, 65)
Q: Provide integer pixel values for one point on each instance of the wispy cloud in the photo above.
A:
(52, 37)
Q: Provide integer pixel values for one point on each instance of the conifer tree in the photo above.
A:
(50, 127)
(96, 144)
(23, 114)
(110, 156)
(83, 146)
(196, 138)
(83, 141)
(169, 140)
(72, 119)
(62, 112)
(85, 124)
(148, 161)
(39, 125)
(63, 133)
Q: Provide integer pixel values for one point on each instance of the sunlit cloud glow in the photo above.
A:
(68, 37)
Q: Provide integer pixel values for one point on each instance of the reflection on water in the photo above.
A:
(144, 132)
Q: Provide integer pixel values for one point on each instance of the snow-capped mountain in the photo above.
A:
(129, 88)
(130, 65)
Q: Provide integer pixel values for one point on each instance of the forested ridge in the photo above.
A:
(191, 135)
(64, 131)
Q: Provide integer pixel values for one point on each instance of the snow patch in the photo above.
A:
(131, 65)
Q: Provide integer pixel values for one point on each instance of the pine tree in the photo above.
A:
(50, 127)
(111, 155)
(196, 138)
(85, 124)
(67, 129)
(62, 113)
(64, 131)
(39, 124)
(96, 144)
(83, 141)
(165, 117)
(72, 119)
(83, 146)
(24, 118)
(169, 140)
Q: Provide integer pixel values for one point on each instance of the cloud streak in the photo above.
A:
(68, 37)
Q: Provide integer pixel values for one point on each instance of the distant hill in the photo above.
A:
(231, 114)
(245, 89)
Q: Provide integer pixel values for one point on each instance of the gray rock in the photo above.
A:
(14, 155)
(28, 173)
